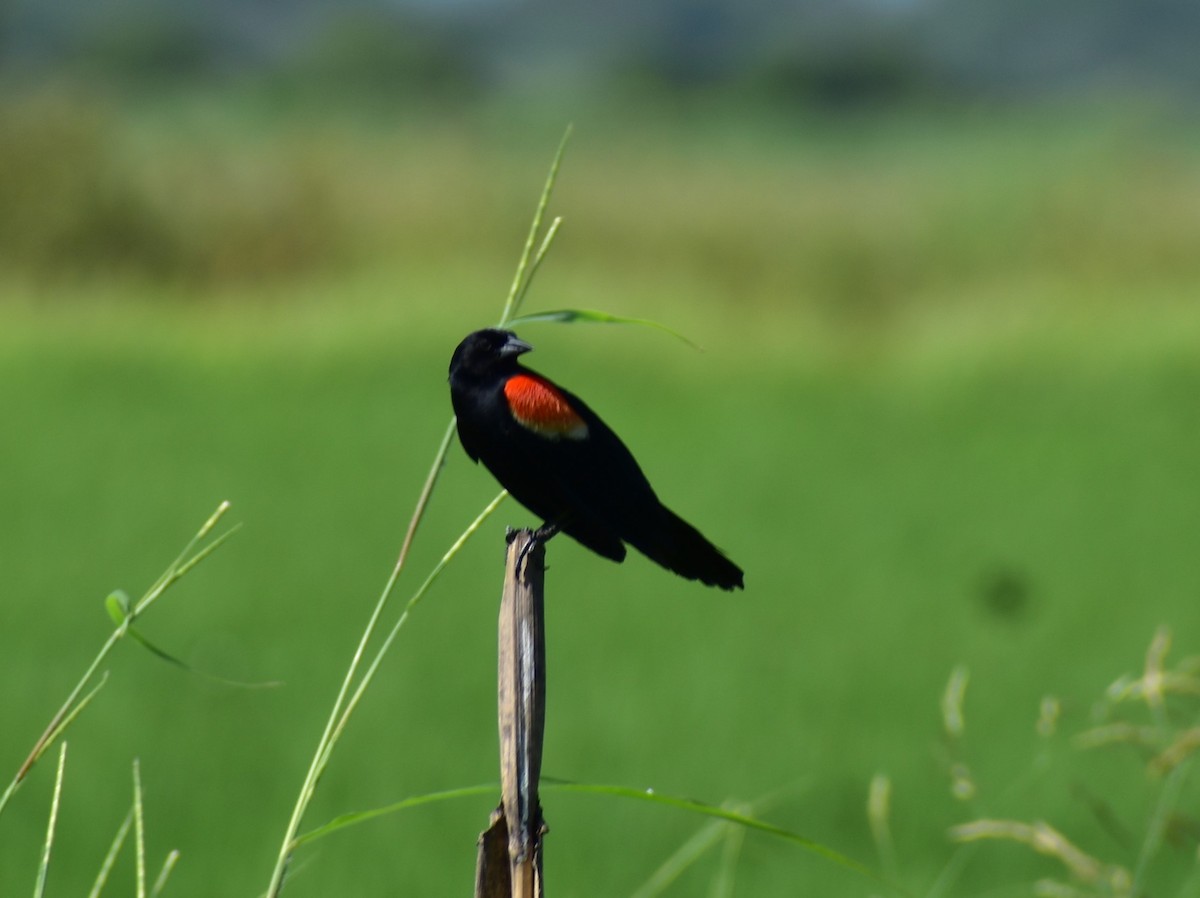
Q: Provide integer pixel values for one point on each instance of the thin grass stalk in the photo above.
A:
(139, 829)
(682, 858)
(551, 233)
(182, 563)
(164, 874)
(336, 718)
(731, 851)
(948, 876)
(341, 710)
(412, 603)
(74, 704)
(879, 802)
(39, 888)
(63, 716)
(111, 858)
(731, 838)
(62, 719)
(520, 284)
(1159, 821)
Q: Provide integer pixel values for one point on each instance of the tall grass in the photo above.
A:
(917, 469)
(124, 614)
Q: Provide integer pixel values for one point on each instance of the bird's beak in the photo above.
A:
(514, 346)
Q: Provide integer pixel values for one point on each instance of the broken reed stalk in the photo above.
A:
(509, 863)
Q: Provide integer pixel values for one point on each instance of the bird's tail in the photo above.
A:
(678, 546)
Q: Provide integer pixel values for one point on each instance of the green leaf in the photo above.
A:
(183, 665)
(117, 605)
(570, 316)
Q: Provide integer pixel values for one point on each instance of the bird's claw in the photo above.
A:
(538, 537)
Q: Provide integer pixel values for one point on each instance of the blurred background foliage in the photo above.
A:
(943, 261)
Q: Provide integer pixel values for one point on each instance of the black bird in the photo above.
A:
(557, 458)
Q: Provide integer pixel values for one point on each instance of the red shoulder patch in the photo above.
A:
(540, 406)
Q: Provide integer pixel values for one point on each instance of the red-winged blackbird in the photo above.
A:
(559, 460)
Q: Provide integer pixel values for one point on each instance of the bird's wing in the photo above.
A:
(544, 408)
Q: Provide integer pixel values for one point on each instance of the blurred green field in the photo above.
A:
(947, 413)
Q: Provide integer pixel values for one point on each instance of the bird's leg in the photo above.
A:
(545, 532)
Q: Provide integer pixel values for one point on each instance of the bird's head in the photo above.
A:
(486, 352)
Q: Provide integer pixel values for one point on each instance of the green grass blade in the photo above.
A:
(682, 858)
(879, 804)
(205, 529)
(711, 834)
(550, 784)
(207, 550)
(346, 701)
(177, 573)
(117, 607)
(139, 829)
(67, 720)
(137, 636)
(353, 819)
(168, 866)
(735, 837)
(39, 888)
(111, 858)
(697, 807)
(520, 284)
(182, 564)
(547, 241)
(344, 707)
(1159, 821)
(449, 555)
(571, 316)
